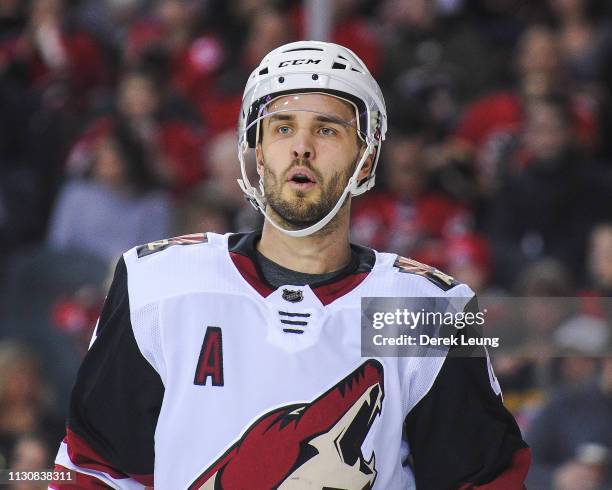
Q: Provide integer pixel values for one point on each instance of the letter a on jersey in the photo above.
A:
(210, 362)
(307, 445)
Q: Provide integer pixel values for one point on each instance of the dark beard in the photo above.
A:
(297, 214)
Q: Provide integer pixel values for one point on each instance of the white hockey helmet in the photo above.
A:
(306, 67)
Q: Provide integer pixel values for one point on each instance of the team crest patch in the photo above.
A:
(317, 444)
(159, 245)
(293, 296)
(439, 278)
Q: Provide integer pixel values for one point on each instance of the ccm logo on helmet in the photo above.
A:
(299, 62)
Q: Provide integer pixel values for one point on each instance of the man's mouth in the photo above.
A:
(301, 178)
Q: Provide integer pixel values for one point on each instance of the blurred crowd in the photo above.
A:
(117, 127)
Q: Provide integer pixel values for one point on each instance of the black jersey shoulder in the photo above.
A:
(117, 396)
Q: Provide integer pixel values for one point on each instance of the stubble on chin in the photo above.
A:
(299, 211)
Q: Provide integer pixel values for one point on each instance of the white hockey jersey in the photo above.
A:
(203, 376)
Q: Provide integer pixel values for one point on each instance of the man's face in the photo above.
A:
(306, 156)
(138, 97)
(547, 134)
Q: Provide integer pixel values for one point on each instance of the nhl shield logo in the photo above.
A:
(293, 296)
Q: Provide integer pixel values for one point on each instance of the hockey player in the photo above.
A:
(234, 361)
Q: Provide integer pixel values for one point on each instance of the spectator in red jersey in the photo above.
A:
(350, 28)
(174, 146)
(195, 57)
(267, 29)
(50, 50)
(468, 260)
(540, 74)
(354, 31)
(407, 217)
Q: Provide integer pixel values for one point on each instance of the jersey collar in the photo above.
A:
(241, 247)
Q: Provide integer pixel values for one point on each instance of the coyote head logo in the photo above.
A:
(314, 445)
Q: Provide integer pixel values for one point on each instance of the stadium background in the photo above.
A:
(117, 127)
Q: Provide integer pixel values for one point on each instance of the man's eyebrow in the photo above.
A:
(280, 117)
(331, 120)
(319, 118)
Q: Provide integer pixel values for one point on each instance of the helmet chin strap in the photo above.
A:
(257, 199)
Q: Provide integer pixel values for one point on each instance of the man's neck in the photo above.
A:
(313, 254)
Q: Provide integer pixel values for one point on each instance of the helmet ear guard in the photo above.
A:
(313, 67)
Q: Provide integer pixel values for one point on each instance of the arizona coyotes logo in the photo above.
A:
(311, 446)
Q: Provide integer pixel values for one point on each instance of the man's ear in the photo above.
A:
(259, 159)
(366, 168)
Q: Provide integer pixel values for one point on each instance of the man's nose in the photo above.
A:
(302, 145)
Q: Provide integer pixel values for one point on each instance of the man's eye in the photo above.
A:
(327, 131)
(283, 130)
